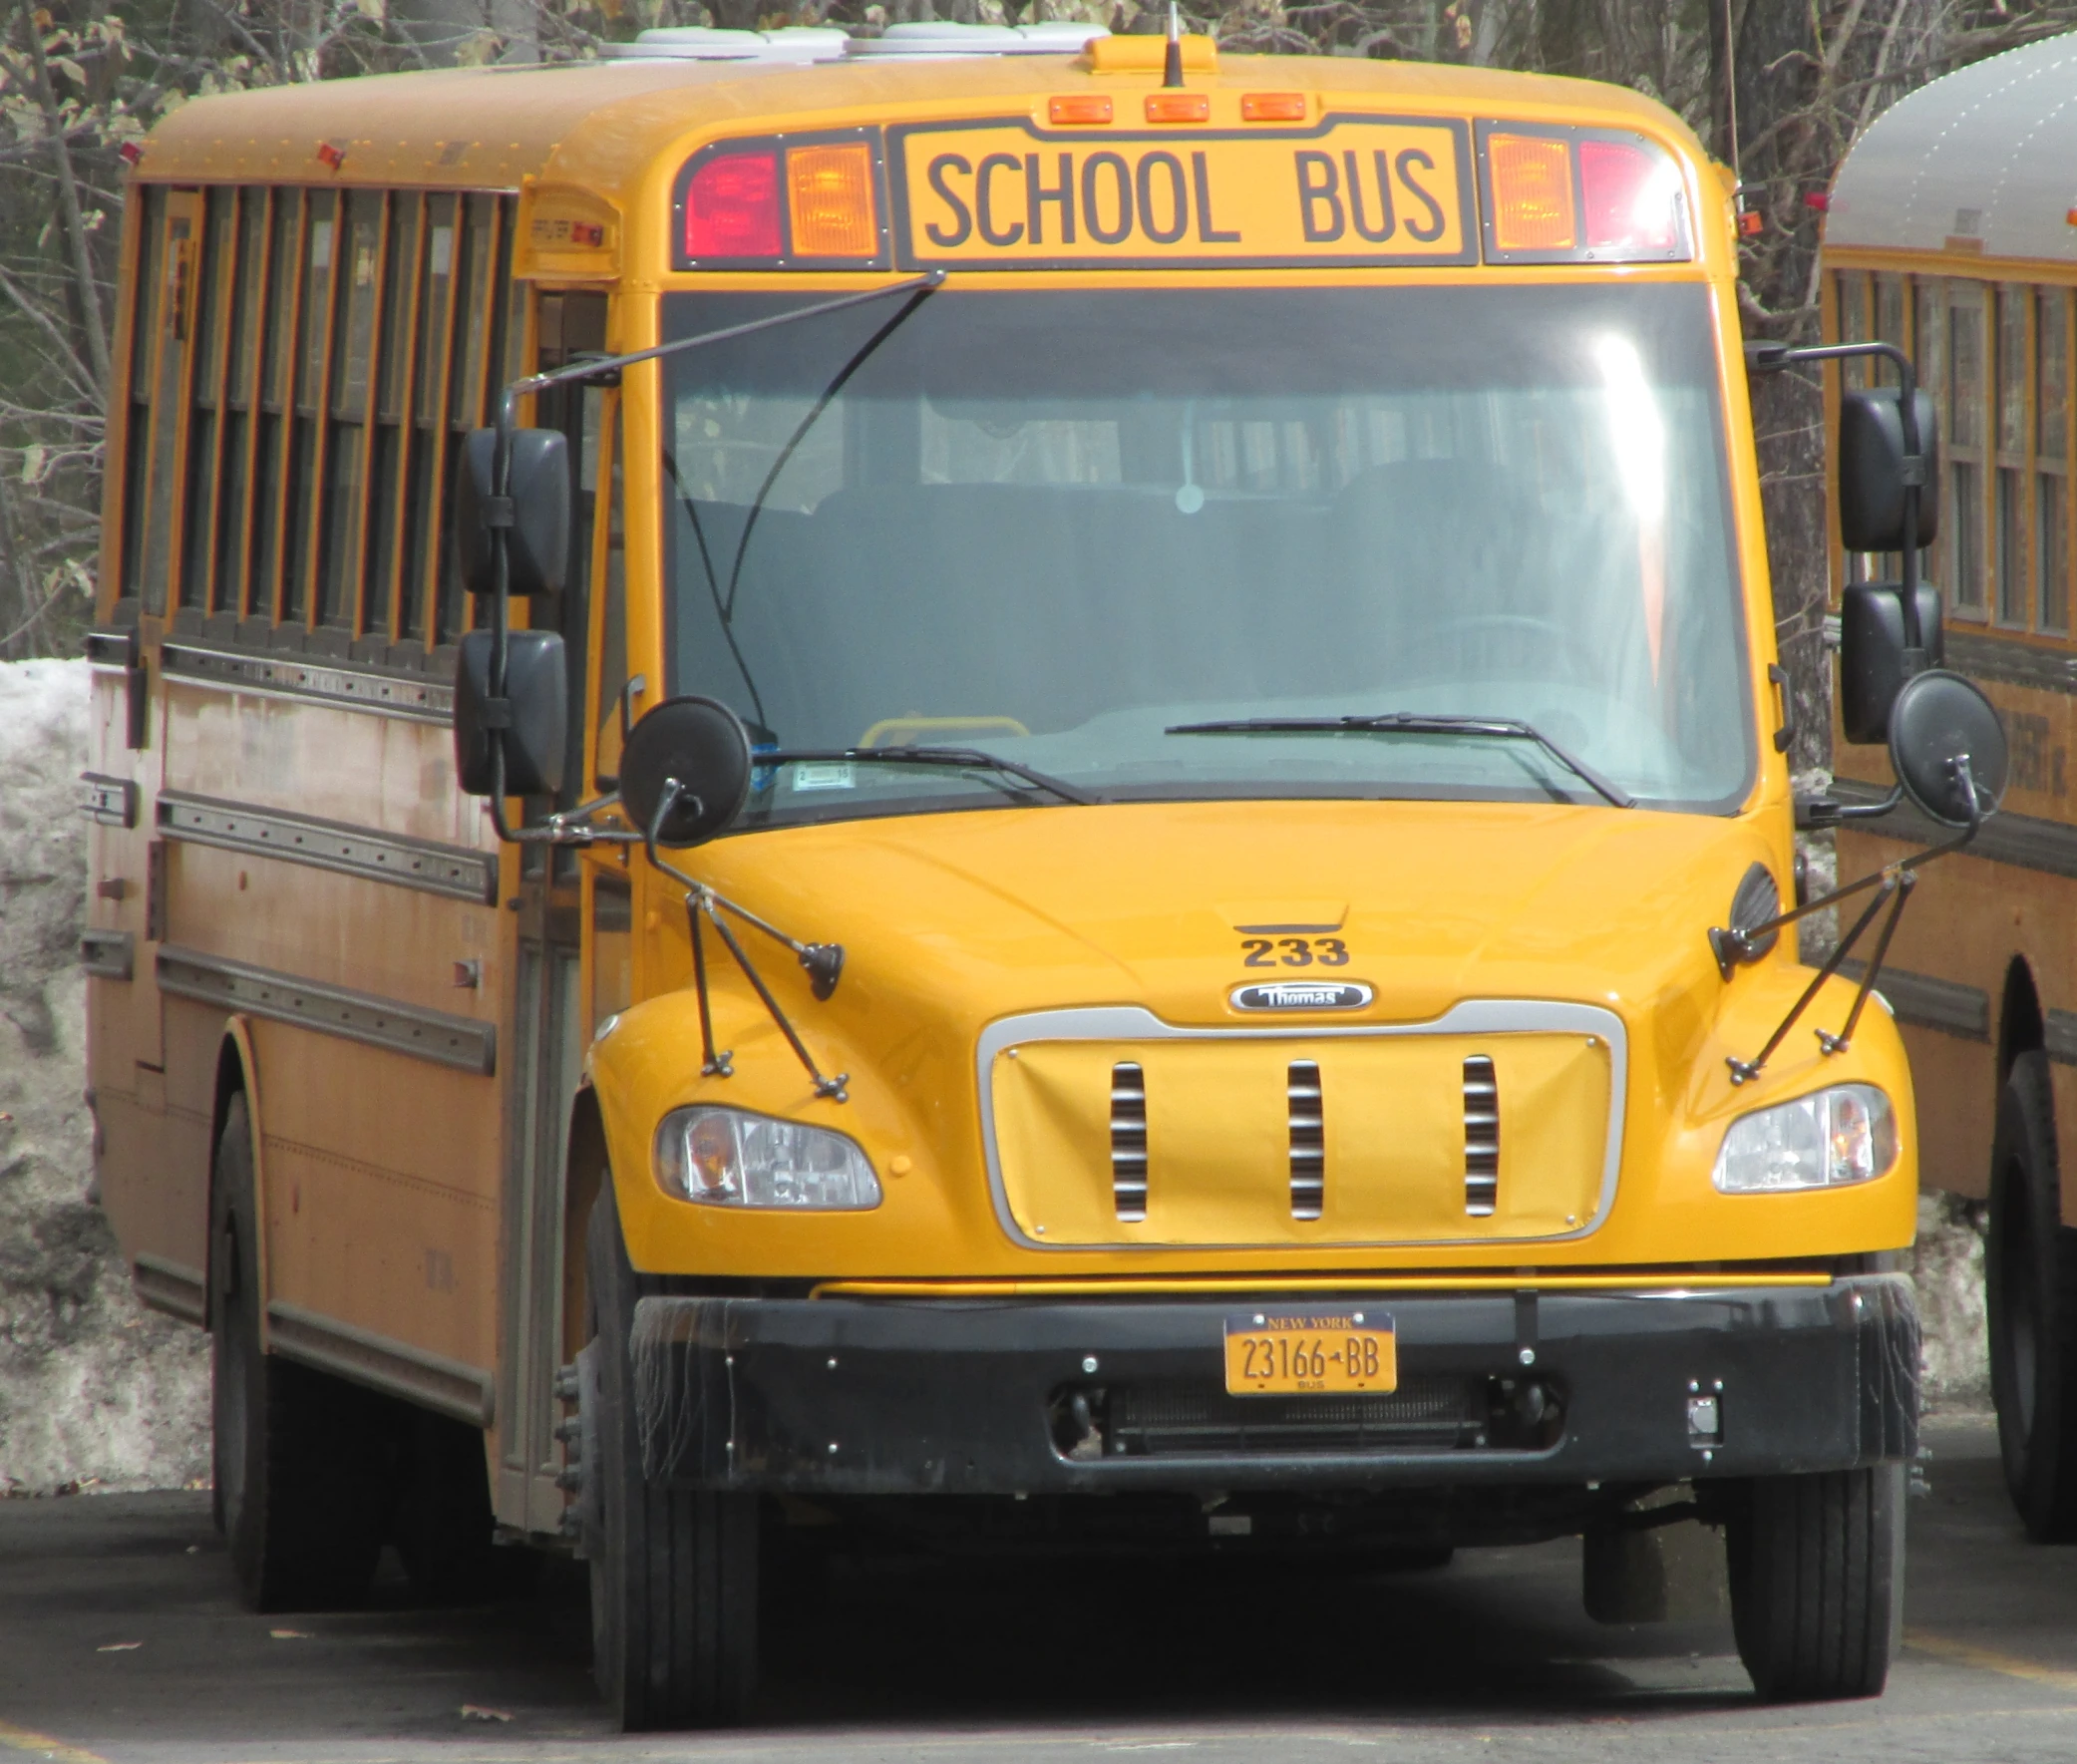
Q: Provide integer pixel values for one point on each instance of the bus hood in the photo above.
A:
(1176, 906)
(1214, 1025)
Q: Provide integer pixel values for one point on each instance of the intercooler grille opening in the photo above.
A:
(1128, 1140)
(1480, 1137)
(1308, 1140)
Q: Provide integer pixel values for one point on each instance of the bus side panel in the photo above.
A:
(153, 1194)
(1956, 1082)
(381, 1213)
(381, 1165)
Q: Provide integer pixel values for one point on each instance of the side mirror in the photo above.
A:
(1939, 719)
(1872, 476)
(702, 745)
(538, 550)
(536, 722)
(1870, 653)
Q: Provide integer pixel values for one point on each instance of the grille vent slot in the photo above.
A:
(1480, 1137)
(1308, 1140)
(1128, 1140)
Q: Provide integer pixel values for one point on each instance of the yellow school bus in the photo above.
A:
(1948, 233)
(976, 785)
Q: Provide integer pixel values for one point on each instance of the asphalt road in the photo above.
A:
(120, 1641)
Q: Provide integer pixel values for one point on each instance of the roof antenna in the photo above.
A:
(1171, 62)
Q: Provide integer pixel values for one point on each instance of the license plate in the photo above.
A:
(1282, 1352)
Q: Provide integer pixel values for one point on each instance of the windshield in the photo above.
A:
(1052, 527)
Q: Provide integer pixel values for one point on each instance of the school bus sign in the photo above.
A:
(1356, 191)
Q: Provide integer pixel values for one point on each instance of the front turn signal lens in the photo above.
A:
(1532, 192)
(829, 197)
(1829, 1140)
(731, 1158)
(732, 206)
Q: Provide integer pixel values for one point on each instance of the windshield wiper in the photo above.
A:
(1414, 723)
(964, 759)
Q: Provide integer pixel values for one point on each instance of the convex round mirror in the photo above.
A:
(704, 746)
(1939, 717)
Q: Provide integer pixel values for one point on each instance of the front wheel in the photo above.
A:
(2031, 1286)
(1816, 1582)
(674, 1572)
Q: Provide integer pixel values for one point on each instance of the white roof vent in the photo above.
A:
(796, 44)
(939, 39)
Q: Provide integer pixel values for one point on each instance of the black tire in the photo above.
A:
(674, 1574)
(1816, 1582)
(2031, 1277)
(298, 1456)
(443, 1529)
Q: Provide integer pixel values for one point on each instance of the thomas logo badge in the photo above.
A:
(1302, 996)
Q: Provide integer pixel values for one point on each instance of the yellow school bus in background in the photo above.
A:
(1950, 233)
(975, 785)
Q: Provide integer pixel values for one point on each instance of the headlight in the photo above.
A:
(1844, 1135)
(729, 1158)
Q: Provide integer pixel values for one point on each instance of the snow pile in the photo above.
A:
(1949, 1268)
(94, 1389)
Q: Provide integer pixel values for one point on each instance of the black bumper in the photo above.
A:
(883, 1397)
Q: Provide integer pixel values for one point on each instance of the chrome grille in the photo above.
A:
(1480, 1137)
(1128, 1140)
(1308, 1140)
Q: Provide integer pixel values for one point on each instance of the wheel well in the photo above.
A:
(230, 1082)
(584, 1172)
(2019, 1023)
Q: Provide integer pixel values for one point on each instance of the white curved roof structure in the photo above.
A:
(1987, 153)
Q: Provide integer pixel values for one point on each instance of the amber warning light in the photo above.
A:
(739, 206)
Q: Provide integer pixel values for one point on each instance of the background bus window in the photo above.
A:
(2009, 505)
(477, 302)
(205, 426)
(346, 441)
(1851, 290)
(1930, 352)
(435, 321)
(2052, 460)
(1966, 427)
(144, 362)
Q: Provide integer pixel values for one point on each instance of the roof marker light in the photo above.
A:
(1273, 107)
(1179, 107)
(1084, 107)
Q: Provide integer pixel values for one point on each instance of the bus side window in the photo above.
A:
(143, 361)
(436, 325)
(198, 529)
(2052, 461)
(322, 249)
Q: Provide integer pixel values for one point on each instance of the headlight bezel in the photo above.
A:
(756, 1158)
(1840, 1137)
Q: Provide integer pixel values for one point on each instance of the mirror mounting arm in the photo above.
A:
(1734, 946)
(822, 961)
(1768, 357)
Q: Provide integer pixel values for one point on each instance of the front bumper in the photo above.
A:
(907, 1397)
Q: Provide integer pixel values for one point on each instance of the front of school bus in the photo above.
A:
(1262, 666)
